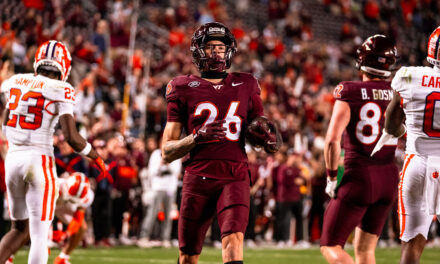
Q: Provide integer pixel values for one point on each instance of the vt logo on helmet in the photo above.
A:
(54, 55)
(208, 32)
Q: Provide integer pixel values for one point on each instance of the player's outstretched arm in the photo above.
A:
(75, 140)
(332, 148)
(338, 122)
(172, 146)
(394, 127)
(394, 117)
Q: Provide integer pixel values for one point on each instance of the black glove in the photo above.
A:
(212, 132)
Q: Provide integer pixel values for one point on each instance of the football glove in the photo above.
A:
(331, 187)
(101, 165)
(211, 132)
(384, 139)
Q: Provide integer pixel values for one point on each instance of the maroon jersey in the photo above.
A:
(194, 102)
(368, 102)
(286, 188)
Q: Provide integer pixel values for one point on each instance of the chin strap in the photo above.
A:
(214, 75)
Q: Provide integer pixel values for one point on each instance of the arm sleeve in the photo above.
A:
(403, 75)
(59, 91)
(174, 104)
(173, 112)
(341, 93)
(256, 105)
(64, 108)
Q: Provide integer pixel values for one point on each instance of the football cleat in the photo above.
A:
(60, 260)
(53, 54)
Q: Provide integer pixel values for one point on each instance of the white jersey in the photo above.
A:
(35, 104)
(419, 89)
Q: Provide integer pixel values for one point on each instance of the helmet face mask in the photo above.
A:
(211, 32)
(434, 48)
(376, 56)
(54, 55)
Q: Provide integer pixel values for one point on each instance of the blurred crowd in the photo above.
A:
(282, 42)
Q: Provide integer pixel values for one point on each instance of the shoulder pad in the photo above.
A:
(59, 91)
(173, 87)
(6, 84)
(340, 91)
(404, 72)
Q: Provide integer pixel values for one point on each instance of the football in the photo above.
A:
(260, 131)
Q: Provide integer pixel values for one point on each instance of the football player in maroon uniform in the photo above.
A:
(369, 185)
(214, 110)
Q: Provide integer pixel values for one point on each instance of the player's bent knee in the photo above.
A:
(21, 226)
(232, 240)
(331, 252)
(188, 259)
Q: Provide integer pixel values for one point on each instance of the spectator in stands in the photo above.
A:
(288, 198)
(163, 179)
(68, 161)
(102, 204)
(275, 54)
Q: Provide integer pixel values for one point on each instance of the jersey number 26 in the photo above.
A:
(231, 118)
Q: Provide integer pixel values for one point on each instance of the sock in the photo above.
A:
(64, 256)
(235, 262)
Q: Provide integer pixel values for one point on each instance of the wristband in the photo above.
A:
(86, 150)
(404, 132)
(332, 173)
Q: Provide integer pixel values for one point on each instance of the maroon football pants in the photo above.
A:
(202, 197)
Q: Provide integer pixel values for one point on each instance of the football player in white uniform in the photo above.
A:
(36, 102)
(416, 97)
(75, 197)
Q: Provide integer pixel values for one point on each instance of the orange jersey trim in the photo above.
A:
(402, 206)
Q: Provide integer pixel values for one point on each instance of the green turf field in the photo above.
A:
(132, 255)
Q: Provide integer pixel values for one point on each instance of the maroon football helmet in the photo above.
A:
(205, 33)
(376, 56)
